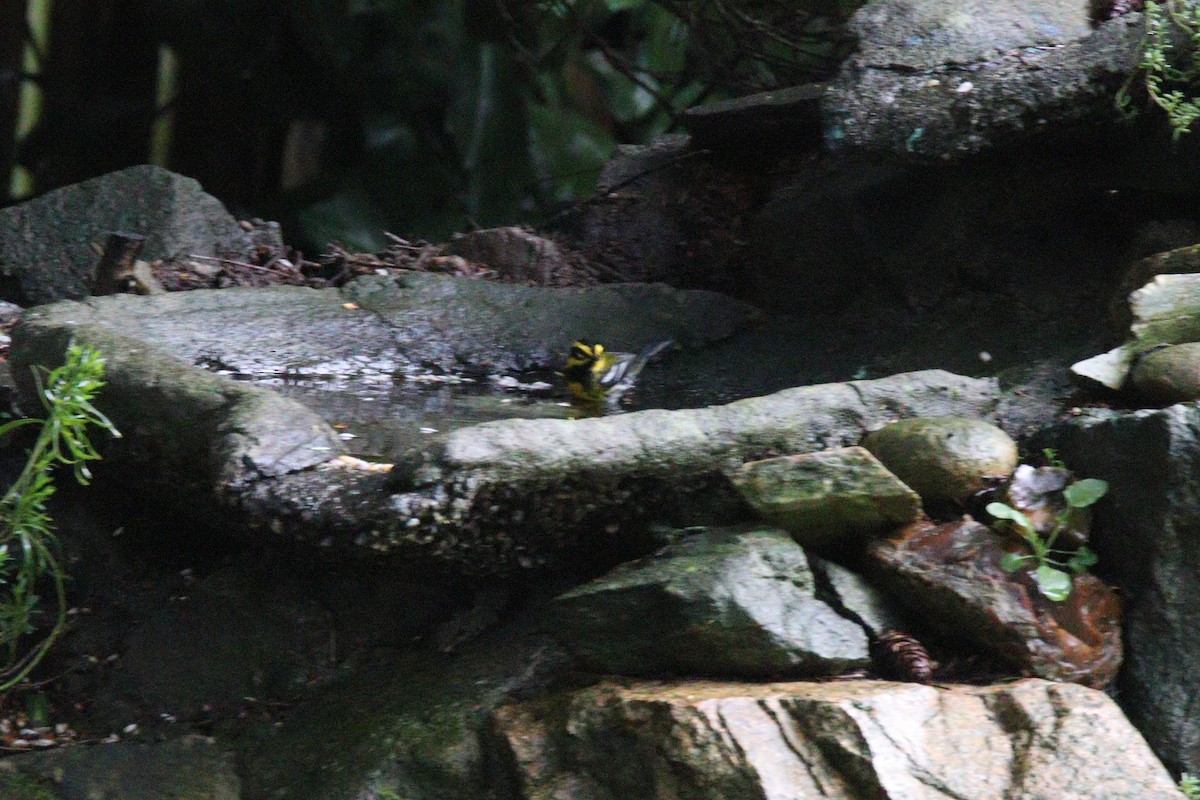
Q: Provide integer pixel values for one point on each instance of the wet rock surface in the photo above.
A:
(494, 497)
(950, 576)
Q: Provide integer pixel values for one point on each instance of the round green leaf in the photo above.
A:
(1054, 583)
(1082, 494)
(1081, 559)
(1002, 511)
(1011, 562)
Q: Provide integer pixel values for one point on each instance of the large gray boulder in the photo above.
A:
(725, 602)
(46, 249)
(946, 78)
(489, 498)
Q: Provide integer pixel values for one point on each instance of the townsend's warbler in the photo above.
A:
(594, 375)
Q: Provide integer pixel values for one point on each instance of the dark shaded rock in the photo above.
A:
(950, 575)
(45, 243)
(514, 253)
(726, 741)
(785, 117)
(233, 635)
(636, 232)
(16, 786)
(190, 768)
(944, 459)
(414, 726)
(823, 497)
(725, 602)
(667, 211)
(1033, 396)
(941, 78)
(1147, 534)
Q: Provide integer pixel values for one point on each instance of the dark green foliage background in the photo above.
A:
(440, 114)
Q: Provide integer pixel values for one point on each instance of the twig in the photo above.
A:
(616, 187)
(233, 263)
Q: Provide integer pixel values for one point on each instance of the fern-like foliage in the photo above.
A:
(1170, 64)
(29, 553)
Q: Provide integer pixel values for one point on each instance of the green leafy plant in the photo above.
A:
(1052, 459)
(1053, 567)
(1190, 786)
(1164, 76)
(29, 557)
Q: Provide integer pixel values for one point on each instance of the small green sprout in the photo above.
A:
(1052, 459)
(1053, 573)
(1189, 784)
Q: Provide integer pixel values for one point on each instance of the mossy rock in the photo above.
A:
(1168, 375)
(825, 496)
(15, 786)
(944, 458)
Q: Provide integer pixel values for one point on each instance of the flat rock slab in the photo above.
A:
(491, 497)
(520, 493)
(853, 739)
(824, 496)
(453, 323)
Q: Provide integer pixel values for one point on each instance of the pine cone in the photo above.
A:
(896, 655)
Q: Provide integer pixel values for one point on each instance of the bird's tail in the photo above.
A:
(643, 358)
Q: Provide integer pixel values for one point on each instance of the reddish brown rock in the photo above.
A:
(950, 574)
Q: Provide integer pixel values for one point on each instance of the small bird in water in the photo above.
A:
(595, 376)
